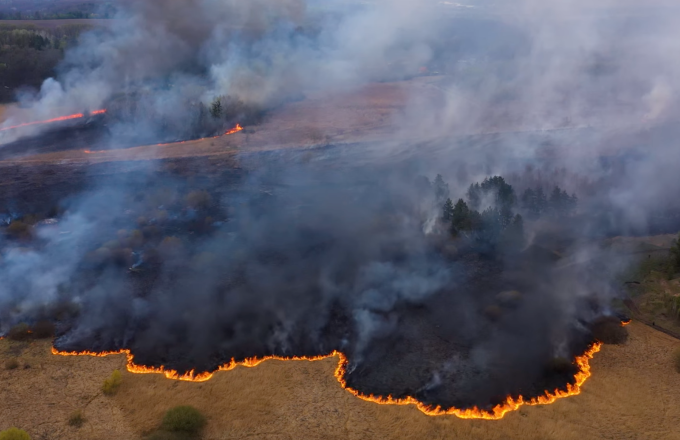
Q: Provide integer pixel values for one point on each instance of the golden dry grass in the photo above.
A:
(633, 394)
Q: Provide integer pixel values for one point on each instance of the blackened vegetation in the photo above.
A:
(190, 273)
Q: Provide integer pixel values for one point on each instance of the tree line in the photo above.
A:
(55, 10)
(29, 54)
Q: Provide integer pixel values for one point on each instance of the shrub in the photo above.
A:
(43, 330)
(171, 248)
(14, 434)
(198, 199)
(11, 364)
(676, 359)
(76, 419)
(18, 229)
(183, 419)
(19, 332)
(111, 385)
(609, 330)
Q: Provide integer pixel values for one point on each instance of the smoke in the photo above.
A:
(345, 251)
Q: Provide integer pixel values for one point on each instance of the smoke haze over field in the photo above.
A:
(339, 250)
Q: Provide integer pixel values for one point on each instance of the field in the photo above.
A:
(631, 395)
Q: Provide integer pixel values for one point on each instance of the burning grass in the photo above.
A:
(498, 411)
(302, 400)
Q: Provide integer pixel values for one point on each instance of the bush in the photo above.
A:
(43, 330)
(198, 199)
(11, 364)
(171, 248)
(609, 330)
(111, 385)
(14, 434)
(18, 229)
(19, 332)
(676, 359)
(183, 419)
(76, 419)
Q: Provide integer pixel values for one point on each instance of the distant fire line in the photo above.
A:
(59, 119)
(510, 404)
(232, 131)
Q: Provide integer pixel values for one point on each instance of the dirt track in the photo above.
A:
(632, 395)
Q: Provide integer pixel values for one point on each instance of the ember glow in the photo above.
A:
(510, 404)
(59, 119)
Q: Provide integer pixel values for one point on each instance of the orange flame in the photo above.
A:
(234, 130)
(59, 119)
(510, 404)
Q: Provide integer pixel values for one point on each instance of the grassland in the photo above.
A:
(632, 395)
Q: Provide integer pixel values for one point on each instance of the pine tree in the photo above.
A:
(448, 211)
(529, 202)
(460, 219)
(541, 202)
(216, 108)
(474, 196)
(441, 189)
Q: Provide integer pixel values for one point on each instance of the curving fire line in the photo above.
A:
(59, 119)
(510, 404)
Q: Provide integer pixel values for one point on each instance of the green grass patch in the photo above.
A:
(112, 383)
(14, 434)
(183, 419)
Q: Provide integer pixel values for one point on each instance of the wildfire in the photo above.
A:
(510, 404)
(59, 119)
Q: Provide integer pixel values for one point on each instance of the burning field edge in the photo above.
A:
(497, 413)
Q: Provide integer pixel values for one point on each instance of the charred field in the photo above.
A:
(202, 244)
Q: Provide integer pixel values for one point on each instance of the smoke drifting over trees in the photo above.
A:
(459, 295)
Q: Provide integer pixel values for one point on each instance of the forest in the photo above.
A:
(29, 54)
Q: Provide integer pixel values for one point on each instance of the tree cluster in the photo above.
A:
(488, 215)
(560, 204)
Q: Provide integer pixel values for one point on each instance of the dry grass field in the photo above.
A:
(633, 394)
